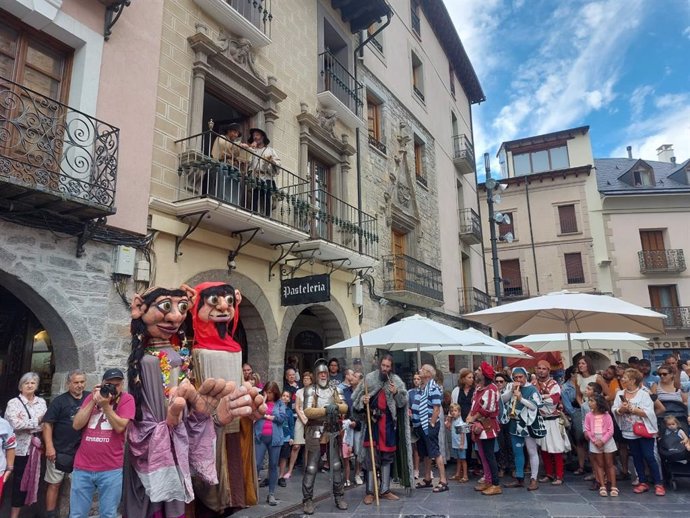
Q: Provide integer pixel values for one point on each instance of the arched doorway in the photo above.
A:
(313, 329)
(25, 345)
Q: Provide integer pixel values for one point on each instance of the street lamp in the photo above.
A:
(491, 185)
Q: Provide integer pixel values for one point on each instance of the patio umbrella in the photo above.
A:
(586, 341)
(474, 341)
(568, 311)
(408, 333)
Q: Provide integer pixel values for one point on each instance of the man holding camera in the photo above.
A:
(98, 463)
(61, 439)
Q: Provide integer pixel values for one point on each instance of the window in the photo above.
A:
(320, 174)
(374, 124)
(541, 160)
(451, 73)
(511, 278)
(504, 228)
(417, 76)
(573, 268)
(642, 178)
(419, 161)
(566, 216)
(376, 40)
(415, 19)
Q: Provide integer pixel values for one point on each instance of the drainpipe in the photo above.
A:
(479, 208)
(360, 50)
(531, 234)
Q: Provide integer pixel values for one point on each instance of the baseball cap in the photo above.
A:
(113, 374)
(633, 359)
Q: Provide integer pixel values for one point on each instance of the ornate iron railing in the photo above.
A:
(677, 317)
(472, 299)
(257, 12)
(375, 143)
(470, 224)
(463, 148)
(212, 166)
(515, 288)
(48, 146)
(338, 80)
(404, 273)
(661, 261)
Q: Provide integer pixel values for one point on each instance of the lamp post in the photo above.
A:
(490, 187)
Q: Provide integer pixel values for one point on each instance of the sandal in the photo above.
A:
(441, 487)
(603, 492)
(614, 491)
(579, 471)
(464, 480)
(557, 482)
(455, 477)
(423, 484)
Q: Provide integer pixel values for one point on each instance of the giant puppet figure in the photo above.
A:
(323, 406)
(216, 353)
(171, 437)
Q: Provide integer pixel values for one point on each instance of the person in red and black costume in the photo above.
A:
(387, 400)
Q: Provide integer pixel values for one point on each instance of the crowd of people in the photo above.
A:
(510, 429)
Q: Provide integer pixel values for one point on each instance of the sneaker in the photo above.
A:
(348, 483)
(659, 490)
(283, 483)
(492, 490)
(358, 480)
(271, 500)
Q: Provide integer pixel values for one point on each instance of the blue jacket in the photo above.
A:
(568, 397)
(288, 425)
(277, 434)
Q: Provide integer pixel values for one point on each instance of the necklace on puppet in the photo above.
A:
(164, 362)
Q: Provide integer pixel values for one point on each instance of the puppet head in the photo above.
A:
(160, 312)
(217, 306)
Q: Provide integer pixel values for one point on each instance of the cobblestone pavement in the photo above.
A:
(572, 499)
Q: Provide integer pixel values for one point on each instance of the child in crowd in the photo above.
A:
(288, 437)
(592, 389)
(673, 426)
(599, 432)
(8, 442)
(458, 429)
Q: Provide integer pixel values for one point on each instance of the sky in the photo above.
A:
(621, 67)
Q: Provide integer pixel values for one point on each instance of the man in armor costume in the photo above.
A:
(323, 406)
(386, 396)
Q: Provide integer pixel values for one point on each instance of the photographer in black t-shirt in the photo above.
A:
(61, 439)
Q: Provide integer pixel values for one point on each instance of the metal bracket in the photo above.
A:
(190, 228)
(232, 254)
(112, 15)
(300, 262)
(359, 274)
(283, 254)
(90, 228)
(336, 264)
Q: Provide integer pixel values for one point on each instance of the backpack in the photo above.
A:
(671, 448)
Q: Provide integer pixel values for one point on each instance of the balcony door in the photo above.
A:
(321, 199)
(664, 299)
(653, 249)
(399, 248)
(511, 278)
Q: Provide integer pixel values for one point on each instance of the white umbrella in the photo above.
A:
(474, 341)
(567, 311)
(587, 341)
(408, 333)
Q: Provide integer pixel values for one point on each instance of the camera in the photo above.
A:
(108, 389)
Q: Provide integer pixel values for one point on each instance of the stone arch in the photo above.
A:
(256, 314)
(59, 316)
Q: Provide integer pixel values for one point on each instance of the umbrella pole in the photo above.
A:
(570, 345)
(419, 357)
(371, 437)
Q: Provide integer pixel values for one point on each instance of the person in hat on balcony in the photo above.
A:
(263, 168)
(226, 182)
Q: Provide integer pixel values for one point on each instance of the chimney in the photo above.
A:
(629, 148)
(673, 160)
(665, 153)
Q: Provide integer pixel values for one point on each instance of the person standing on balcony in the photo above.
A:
(263, 168)
(226, 183)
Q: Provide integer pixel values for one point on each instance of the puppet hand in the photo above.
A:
(191, 292)
(175, 409)
(242, 401)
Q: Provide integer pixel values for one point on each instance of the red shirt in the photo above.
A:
(101, 447)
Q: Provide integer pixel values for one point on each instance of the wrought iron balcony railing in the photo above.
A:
(375, 143)
(514, 288)
(257, 12)
(49, 147)
(212, 166)
(470, 226)
(463, 154)
(661, 261)
(472, 299)
(404, 273)
(338, 80)
(677, 317)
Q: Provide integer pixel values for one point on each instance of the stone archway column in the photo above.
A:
(199, 70)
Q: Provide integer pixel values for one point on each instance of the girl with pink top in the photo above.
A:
(599, 432)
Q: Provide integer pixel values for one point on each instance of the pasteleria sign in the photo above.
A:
(305, 290)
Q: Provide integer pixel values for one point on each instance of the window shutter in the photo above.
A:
(566, 215)
(573, 268)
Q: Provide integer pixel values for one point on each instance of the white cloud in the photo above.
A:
(686, 32)
(638, 99)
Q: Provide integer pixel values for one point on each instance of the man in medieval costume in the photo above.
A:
(323, 406)
(385, 394)
(216, 352)
(171, 437)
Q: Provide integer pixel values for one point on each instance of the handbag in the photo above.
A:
(477, 428)
(640, 430)
(64, 462)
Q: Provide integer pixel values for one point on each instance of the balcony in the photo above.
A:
(239, 190)
(676, 317)
(514, 289)
(416, 22)
(472, 299)
(470, 227)
(54, 158)
(250, 19)
(340, 91)
(373, 142)
(661, 261)
(410, 281)
(463, 154)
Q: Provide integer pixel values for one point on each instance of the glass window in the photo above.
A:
(540, 161)
(521, 164)
(559, 158)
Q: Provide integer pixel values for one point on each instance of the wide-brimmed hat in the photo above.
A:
(263, 133)
(233, 126)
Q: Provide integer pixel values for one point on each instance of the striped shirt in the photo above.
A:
(423, 405)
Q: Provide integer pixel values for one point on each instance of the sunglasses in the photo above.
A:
(664, 373)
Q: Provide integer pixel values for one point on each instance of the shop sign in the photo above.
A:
(670, 343)
(305, 290)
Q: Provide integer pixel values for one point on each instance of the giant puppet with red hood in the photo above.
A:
(216, 353)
